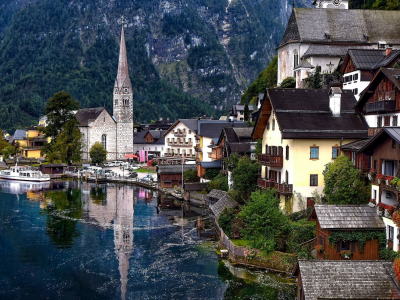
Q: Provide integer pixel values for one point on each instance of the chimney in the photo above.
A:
(388, 51)
(335, 98)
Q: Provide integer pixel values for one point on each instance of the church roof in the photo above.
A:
(331, 50)
(85, 115)
(342, 26)
(123, 72)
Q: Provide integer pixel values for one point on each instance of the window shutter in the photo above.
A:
(353, 246)
(338, 246)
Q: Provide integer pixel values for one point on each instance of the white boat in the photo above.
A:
(23, 173)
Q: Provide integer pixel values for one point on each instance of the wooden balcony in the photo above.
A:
(270, 160)
(381, 106)
(281, 188)
(373, 131)
(180, 144)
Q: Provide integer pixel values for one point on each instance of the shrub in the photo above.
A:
(225, 221)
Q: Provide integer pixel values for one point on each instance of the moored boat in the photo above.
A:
(23, 173)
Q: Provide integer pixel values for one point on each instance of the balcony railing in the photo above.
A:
(180, 144)
(384, 105)
(179, 134)
(373, 131)
(270, 160)
(281, 188)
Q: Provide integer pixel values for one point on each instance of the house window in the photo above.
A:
(335, 152)
(355, 91)
(390, 233)
(190, 131)
(116, 102)
(374, 197)
(104, 119)
(379, 124)
(314, 180)
(345, 245)
(287, 177)
(394, 122)
(287, 152)
(314, 152)
(104, 141)
(353, 157)
(273, 124)
(267, 125)
(387, 121)
(266, 149)
(355, 77)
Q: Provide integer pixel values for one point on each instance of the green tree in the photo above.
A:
(288, 83)
(59, 110)
(3, 143)
(8, 151)
(343, 183)
(97, 153)
(258, 148)
(68, 145)
(220, 182)
(190, 175)
(246, 112)
(212, 173)
(314, 79)
(263, 220)
(244, 179)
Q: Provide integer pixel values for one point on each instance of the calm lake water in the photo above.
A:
(72, 240)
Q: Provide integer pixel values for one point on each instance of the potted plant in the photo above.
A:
(319, 248)
(372, 203)
(389, 211)
(394, 182)
(388, 179)
(346, 254)
(371, 174)
(380, 209)
(380, 177)
(396, 218)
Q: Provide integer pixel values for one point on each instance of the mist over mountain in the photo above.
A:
(186, 58)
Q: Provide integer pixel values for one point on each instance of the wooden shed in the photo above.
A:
(54, 170)
(346, 219)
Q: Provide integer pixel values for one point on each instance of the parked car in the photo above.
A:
(147, 179)
(132, 175)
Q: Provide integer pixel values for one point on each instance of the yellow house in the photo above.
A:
(301, 131)
(30, 141)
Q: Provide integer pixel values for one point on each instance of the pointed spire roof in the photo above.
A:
(123, 71)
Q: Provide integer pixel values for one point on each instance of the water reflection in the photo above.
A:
(82, 242)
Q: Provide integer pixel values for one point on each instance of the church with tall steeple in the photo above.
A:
(114, 132)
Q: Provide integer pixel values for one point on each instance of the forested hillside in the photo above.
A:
(187, 58)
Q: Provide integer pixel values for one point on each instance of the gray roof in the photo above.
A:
(175, 169)
(243, 132)
(19, 134)
(348, 217)
(330, 50)
(356, 145)
(304, 64)
(371, 59)
(85, 115)
(378, 138)
(224, 202)
(348, 279)
(216, 164)
(342, 26)
(214, 128)
(139, 138)
(190, 123)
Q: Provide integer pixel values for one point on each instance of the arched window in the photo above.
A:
(104, 141)
(295, 58)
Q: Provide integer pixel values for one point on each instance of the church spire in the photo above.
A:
(123, 72)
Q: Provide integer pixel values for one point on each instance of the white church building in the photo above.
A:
(115, 132)
(322, 36)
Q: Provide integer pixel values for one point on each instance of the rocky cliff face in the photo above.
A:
(210, 49)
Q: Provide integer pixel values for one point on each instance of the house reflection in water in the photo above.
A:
(112, 206)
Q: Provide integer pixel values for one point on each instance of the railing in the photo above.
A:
(270, 160)
(284, 188)
(266, 184)
(198, 149)
(373, 131)
(384, 105)
(179, 134)
(181, 144)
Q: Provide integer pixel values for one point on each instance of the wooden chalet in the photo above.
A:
(353, 279)
(202, 167)
(331, 218)
(170, 175)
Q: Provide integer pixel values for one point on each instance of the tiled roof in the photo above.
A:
(356, 145)
(198, 186)
(243, 132)
(175, 169)
(342, 26)
(19, 134)
(348, 217)
(213, 129)
(330, 50)
(371, 59)
(348, 279)
(303, 113)
(304, 64)
(85, 115)
(156, 134)
(224, 202)
(239, 148)
(216, 164)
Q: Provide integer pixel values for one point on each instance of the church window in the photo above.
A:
(295, 58)
(126, 102)
(116, 102)
(104, 119)
(104, 141)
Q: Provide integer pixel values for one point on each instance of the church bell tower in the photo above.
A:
(123, 103)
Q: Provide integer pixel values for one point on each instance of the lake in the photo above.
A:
(77, 240)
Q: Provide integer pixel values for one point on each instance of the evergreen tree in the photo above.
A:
(246, 112)
(97, 153)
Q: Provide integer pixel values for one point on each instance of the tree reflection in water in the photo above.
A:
(63, 213)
